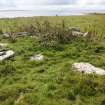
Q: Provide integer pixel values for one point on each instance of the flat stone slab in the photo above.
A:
(6, 54)
(88, 68)
(76, 33)
(38, 57)
(20, 34)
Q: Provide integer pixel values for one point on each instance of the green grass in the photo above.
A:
(53, 81)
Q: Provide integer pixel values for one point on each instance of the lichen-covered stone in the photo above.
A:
(88, 68)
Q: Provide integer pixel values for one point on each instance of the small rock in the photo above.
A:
(85, 34)
(38, 57)
(3, 44)
(7, 35)
(76, 33)
(6, 54)
(88, 68)
(2, 53)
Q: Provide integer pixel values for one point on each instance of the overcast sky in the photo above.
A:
(52, 4)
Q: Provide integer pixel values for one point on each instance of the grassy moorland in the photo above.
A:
(53, 81)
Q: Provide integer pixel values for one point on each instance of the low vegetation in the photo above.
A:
(52, 81)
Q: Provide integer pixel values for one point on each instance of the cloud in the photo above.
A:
(33, 4)
(90, 2)
(45, 2)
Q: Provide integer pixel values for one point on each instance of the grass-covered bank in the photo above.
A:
(52, 82)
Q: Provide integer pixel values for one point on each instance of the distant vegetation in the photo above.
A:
(53, 81)
(97, 13)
